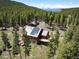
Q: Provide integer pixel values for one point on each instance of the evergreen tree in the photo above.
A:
(15, 44)
(54, 44)
(6, 42)
(27, 42)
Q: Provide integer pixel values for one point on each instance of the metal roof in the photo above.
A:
(44, 33)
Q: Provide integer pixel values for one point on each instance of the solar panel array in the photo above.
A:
(35, 31)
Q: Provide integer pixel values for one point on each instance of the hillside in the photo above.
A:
(62, 27)
(17, 11)
(10, 3)
(6, 3)
(71, 11)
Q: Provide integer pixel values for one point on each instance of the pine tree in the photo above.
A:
(27, 42)
(15, 44)
(54, 44)
(7, 45)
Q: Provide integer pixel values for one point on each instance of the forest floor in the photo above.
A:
(37, 51)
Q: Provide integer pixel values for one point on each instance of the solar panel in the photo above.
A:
(35, 31)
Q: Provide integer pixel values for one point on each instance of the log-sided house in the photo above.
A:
(37, 34)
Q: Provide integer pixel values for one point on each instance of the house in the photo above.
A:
(37, 34)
